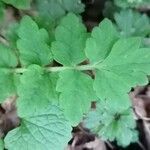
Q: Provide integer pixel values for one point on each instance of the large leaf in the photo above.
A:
(112, 123)
(8, 62)
(131, 23)
(123, 66)
(76, 94)
(69, 49)
(33, 43)
(36, 91)
(48, 130)
(21, 4)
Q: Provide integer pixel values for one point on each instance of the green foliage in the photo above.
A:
(112, 123)
(75, 33)
(20, 4)
(36, 91)
(8, 61)
(46, 130)
(1, 11)
(33, 43)
(11, 35)
(131, 3)
(120, 65)
(51, 11)
(56, 68)
(77, 93)
(132, 23)
(1, 144)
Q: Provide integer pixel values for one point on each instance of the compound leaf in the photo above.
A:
(69, 49)
(8, 61)
(36, 91)
(125, 66)
(131, 23)
(112, 123)
(43, 131)
(76, 94)
(20, 4)
(33, 43)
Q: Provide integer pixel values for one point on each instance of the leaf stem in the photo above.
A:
(60, 68)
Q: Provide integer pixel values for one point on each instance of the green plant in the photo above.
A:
(52, 99)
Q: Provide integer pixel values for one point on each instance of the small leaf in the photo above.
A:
(113, 123)
(131, 23)
(69, 49)
(75, 6)
(20, 4)
(48, 130)
(36, 91)
(33, 43)
(76, 94)
(51, 11)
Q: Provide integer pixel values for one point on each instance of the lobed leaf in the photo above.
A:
(76, 94)
(132, 23)
(51, 11)
(126, 65)
(112, 123)
(70, 35)
(33, 43)
(46, 130)
(101, 41)
(36, 91)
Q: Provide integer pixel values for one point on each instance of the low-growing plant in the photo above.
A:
(56, 79)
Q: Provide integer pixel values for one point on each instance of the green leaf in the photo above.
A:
(12, 35)
(131, 3)
(33, 43)
(36, 91)
(1, 144)
(48, 130)
(8, 61)
(76, 94)
(2, 9)
(103, 38)
(69, 49)
(75, 6)
(51, 11)
(132, 23)
(112, 123)
(8, 58)
(20, 4)
(125, 66)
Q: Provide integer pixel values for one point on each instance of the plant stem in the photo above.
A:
(61, 68)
